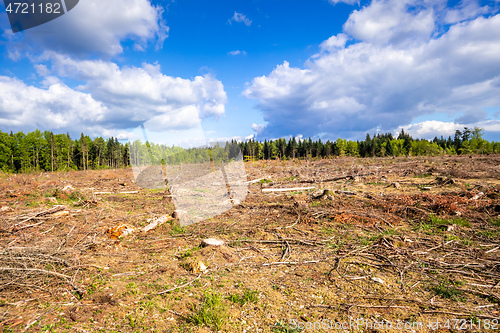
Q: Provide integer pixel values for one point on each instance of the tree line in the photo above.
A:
(467, 141)
(46, 151)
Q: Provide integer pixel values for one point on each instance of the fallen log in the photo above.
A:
(335, 178)
(288, 189)
(157, 223)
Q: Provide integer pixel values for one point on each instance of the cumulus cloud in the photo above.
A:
(237, 52)
(432, 128)
(94, 27)
(142, 91)
(391, 22)
(241, 18)
(391, 64)
(258, 128)
(110, 97)
(57, 107)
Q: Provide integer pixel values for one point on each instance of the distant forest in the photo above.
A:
(45, 151)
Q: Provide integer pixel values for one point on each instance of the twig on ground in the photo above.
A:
(182, 285)
(291, 262)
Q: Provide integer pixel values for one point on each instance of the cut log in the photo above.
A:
(157, 223)
(345, 192)
(288, 189)
(395, 185)
(255, 181)
(212, 242)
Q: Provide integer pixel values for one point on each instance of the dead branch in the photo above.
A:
(288, 189)
(291, 262)
(334, 179)
(178, 287)
(458, 314)
(324, 306)
(53, 210)
(287, 249)
(35, 270)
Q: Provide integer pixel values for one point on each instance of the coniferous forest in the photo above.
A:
(46, 151)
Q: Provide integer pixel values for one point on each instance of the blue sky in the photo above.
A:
(193, 70)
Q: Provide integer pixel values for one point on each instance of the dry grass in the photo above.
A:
(367, 250)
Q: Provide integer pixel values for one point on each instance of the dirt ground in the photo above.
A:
(380, 245)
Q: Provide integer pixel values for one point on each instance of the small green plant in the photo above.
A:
(188, 253)
(423, 175)
(422, 187)
(317, 203)
(434, 221)
(375, 183)
(438, 221)
(249, 296)
(495, 222)
(131, 321)
(265, 181)
(493, 234)
(281, 327)
(92, 288)
(32, 204)
(390, 232)
(57, 193)
(211, 312)
(423, 227)
(176, 228)
(75, 195)
(132, 288)
(446, 290)
(337, 244)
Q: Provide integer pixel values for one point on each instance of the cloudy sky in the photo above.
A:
(190, 70)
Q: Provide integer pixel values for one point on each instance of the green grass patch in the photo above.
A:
(448, 291)
(423, 175)
(249, 296)
(438, 221)
(211, 312)
(132, 288)
(495, 222)
(435, 223)
(281, 327)
(189, 253)
(176, 228)
(493, 234)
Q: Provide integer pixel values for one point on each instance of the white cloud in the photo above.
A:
(466, 9)
(241, 18)
(390, 22)
(237, 52)
(142, 93)
(397, 68)
(334, 42)
(258, 128)
(432, 128)
(349, 2)
(58, 107)
(95, 26)
(111, 98)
